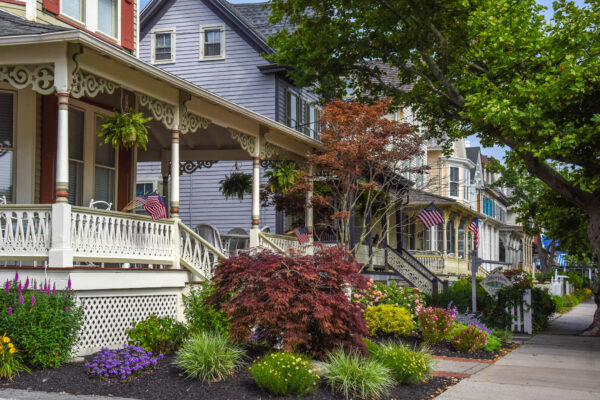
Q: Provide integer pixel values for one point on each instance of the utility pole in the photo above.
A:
(475, 263)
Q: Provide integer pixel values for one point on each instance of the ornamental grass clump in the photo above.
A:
(436, 324)
(41, 321)
(407, 366)
(284, 373)
(122, 364)
(467, 339)
(10, 364)
(354, 376)
(209, 356)
(386, 319)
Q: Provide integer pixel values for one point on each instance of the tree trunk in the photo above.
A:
(594, 236)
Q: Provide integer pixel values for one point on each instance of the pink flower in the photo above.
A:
(27, 283)
(16, 276)
(69, 284)
(9, 310)
(22, 299)
(356, 296)
(33, 300)
(7, 287)
(19, 288)
(67, 309)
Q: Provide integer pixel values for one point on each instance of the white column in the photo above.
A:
(62, 149)
(174, 192)
(254, 242)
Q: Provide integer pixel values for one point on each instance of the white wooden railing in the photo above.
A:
(431, 259)
(110, 236)
(197, 254)
(280, 242)
(25, 232)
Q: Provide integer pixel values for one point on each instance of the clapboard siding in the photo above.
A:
(201, 201)
(236, 78)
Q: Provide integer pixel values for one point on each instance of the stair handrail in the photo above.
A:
(262, 236)
(420, 264)
(219, 255)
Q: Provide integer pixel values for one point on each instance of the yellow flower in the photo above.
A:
(10, 346)
(13, 350)
(6, 339)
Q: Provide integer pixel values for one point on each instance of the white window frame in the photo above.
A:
(90, 12)
(450, 182)
(14, 145)
(204, 28)
(153, 33)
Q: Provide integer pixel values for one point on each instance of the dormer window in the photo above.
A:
(107, 17)
(74, 9)
(163, 46)
(212, 42)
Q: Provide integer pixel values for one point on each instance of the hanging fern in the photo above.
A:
(237, 184)
(125, 130)
(282, 178)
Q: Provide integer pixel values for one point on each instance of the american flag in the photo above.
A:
(301, 234)
(430, 216)
(474, 227)
(154, 204)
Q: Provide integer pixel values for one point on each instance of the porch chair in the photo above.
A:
(236, 239)
(101, 203)
(266, 229)
(3, 200)
(210, 234)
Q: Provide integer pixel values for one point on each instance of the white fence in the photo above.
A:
(25, 232)
(559, 285)
(522, 314)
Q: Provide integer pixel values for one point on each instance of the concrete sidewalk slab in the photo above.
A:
(462, 367)
(18, 394)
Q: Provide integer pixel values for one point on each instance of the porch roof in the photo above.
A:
(112, 63)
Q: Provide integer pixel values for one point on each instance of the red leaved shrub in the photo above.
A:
(297, 300)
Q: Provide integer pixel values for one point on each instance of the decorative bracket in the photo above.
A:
(190, 167)
(86, 84)
(267, 150)
(40, 77)
(161, 111)
(192, 122)
(247, 142)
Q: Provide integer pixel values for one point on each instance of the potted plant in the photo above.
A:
(125, 130)
(236, 184)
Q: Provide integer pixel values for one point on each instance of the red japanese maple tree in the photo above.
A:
(296, 300)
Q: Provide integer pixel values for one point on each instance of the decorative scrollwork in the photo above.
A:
(40, 77)
(268, 163)
(191, 123)
(267, 150)
(247, 142)
(161, 111)
(86, 84)
(189, 167)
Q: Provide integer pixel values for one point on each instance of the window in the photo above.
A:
(163, 49)
(76, 132)
(454, 174)
(311, 126)
(74, 9)
(104, 174)
(107, 17)
(143, 188)
(461, 239)
(291, 109)
(6, 145)
(212, 42)
(467, 184)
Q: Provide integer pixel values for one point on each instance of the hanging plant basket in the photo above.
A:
(236, 184)
(125, 130)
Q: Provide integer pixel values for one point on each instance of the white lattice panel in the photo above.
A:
(106, 319)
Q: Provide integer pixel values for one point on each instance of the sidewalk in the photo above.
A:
(552, 365)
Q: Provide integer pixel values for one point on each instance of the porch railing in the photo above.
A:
(280, 242)
(111, 236)
(25, 232)
(197, 254)
(431, 259)
(413, 270)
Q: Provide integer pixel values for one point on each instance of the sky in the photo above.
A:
(496, 151)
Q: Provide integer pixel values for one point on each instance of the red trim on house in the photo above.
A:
(69, 22)
(124, 179)
(52, 5)
(127, 34)
(21, 3)
(48, 158)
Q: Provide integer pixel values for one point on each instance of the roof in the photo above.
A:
(389, 75)
(419, 197)
(13, 25)
(473, 153)
(257, 15)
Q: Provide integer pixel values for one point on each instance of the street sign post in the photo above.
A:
(475, 263)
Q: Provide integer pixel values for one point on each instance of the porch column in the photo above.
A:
(456, 225)
(164, 171)
(62, 149)
(445, 234)
(254, 242)
(174, 192)
(309, 208)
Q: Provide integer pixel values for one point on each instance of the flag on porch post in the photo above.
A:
(301, 234)
(430, 216)
(474, 227)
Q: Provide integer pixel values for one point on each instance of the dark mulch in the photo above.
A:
(446, 349)
(168, 382)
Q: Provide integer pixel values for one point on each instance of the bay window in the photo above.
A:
(7, 110)
(454, 181)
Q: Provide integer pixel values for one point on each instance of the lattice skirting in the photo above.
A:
(107, 318)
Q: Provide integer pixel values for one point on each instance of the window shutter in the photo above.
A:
(52, 5)
(127, 24)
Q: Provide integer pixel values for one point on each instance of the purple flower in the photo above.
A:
(33, 300)
(54, 289)
(22, 299)
(66, 309)
(7, 287)
(9, 310)
(16, 276)
(19, 288)
(69, 284)
(27, 283)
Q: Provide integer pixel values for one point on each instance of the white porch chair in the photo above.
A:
(3, 200)
(236, 239)
(266, 229)
(210, 234)
(99, 204)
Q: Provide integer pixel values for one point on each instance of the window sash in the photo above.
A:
(212, 43)
(74, 9)
(163, 45)
(107, 17)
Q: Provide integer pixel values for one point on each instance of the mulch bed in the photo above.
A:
(168, 382)
(446, 349)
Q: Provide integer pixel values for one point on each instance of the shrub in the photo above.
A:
(435, 324)
(560, 302)
(202, 315)
(295, 300)
(378, 293)
(459, 294)
(387, 319)
(541, 303)
(122, 364)
(467, 339)
(502, 334)
(284, 373)
(493, 343)
(157, 334)
(209, 356)
(576, 280)
(407, 366)
(42, 322)
(10, 365)
(352, 375)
